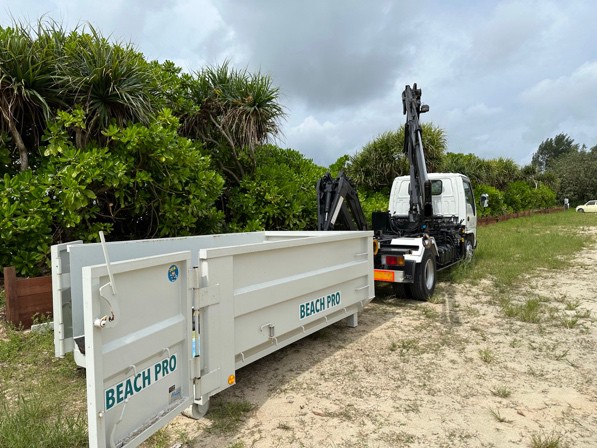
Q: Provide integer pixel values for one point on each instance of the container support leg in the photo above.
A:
(352, 320)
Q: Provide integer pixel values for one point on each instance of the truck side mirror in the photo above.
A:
(484, 200)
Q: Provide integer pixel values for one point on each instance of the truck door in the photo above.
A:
(471, 210)
(138, 326)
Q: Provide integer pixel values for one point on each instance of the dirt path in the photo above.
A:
(457, 373)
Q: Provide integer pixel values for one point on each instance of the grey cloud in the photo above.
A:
(500, 77)
(329, 54)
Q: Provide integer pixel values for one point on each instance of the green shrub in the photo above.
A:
(521, 196)
(147, 182)
(26, 223)
(280, 194)
(373, 202)
(497, 205)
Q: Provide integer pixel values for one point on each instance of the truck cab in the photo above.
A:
(452, 196)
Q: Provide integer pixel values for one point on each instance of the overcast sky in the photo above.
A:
(499, 77)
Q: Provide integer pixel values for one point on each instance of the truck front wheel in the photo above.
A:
(425, 276)
(469, 250)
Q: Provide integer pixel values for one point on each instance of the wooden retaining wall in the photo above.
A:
(493, 219)
(26, 297)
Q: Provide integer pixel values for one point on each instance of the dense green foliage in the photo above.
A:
(552, 149)
(87, 143)
(237, 111)
(496, 206)
(147, 181)
(95, 137)
(279, 195)
(576, 172)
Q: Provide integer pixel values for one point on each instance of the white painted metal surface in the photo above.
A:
(137, 347)
(248, 294)
(453, 200)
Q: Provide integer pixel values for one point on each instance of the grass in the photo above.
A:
(159, 439)
(547, 441)
(509, 250)
(501, 391)
(499, 417)
(528, 311)
(507, 253)
(37, 422)
(226, 417)
(43, 398)
(486, 355)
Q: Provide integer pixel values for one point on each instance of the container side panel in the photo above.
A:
(282, 292)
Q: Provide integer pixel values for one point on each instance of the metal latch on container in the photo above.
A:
(271, 331)
(108, 293)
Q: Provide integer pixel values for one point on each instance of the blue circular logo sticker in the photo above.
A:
(173, 273)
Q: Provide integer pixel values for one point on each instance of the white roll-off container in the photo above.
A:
(163, 324)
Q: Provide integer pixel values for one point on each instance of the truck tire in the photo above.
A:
(469, 250)
(425, 277)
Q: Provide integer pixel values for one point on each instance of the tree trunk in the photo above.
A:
(78, 137)
(18, 140)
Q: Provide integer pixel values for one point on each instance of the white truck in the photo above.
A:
(162, 325)
(432, 218)
(410, 261)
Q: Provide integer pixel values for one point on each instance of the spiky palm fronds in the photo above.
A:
(109, 81)
(237, 112)
(29, 85)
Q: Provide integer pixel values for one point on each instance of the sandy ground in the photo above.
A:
(456, 373)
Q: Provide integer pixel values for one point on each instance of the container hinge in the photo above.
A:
(208, 382)
(207, 296)
(202, 296)
(194, 278)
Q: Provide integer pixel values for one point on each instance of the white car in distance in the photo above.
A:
(590, 206)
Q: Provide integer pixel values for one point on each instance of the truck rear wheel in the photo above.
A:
(425, 277)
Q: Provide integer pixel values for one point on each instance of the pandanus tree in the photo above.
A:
(29, 83)
(107, 82)
(236, 111)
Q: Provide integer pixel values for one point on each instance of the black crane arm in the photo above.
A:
(421, 208)
(338, 204)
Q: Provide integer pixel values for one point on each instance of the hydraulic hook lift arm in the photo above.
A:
(421, 209)
(338, 204)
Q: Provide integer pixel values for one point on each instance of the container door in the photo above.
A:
(138, 331)
(62, 299)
